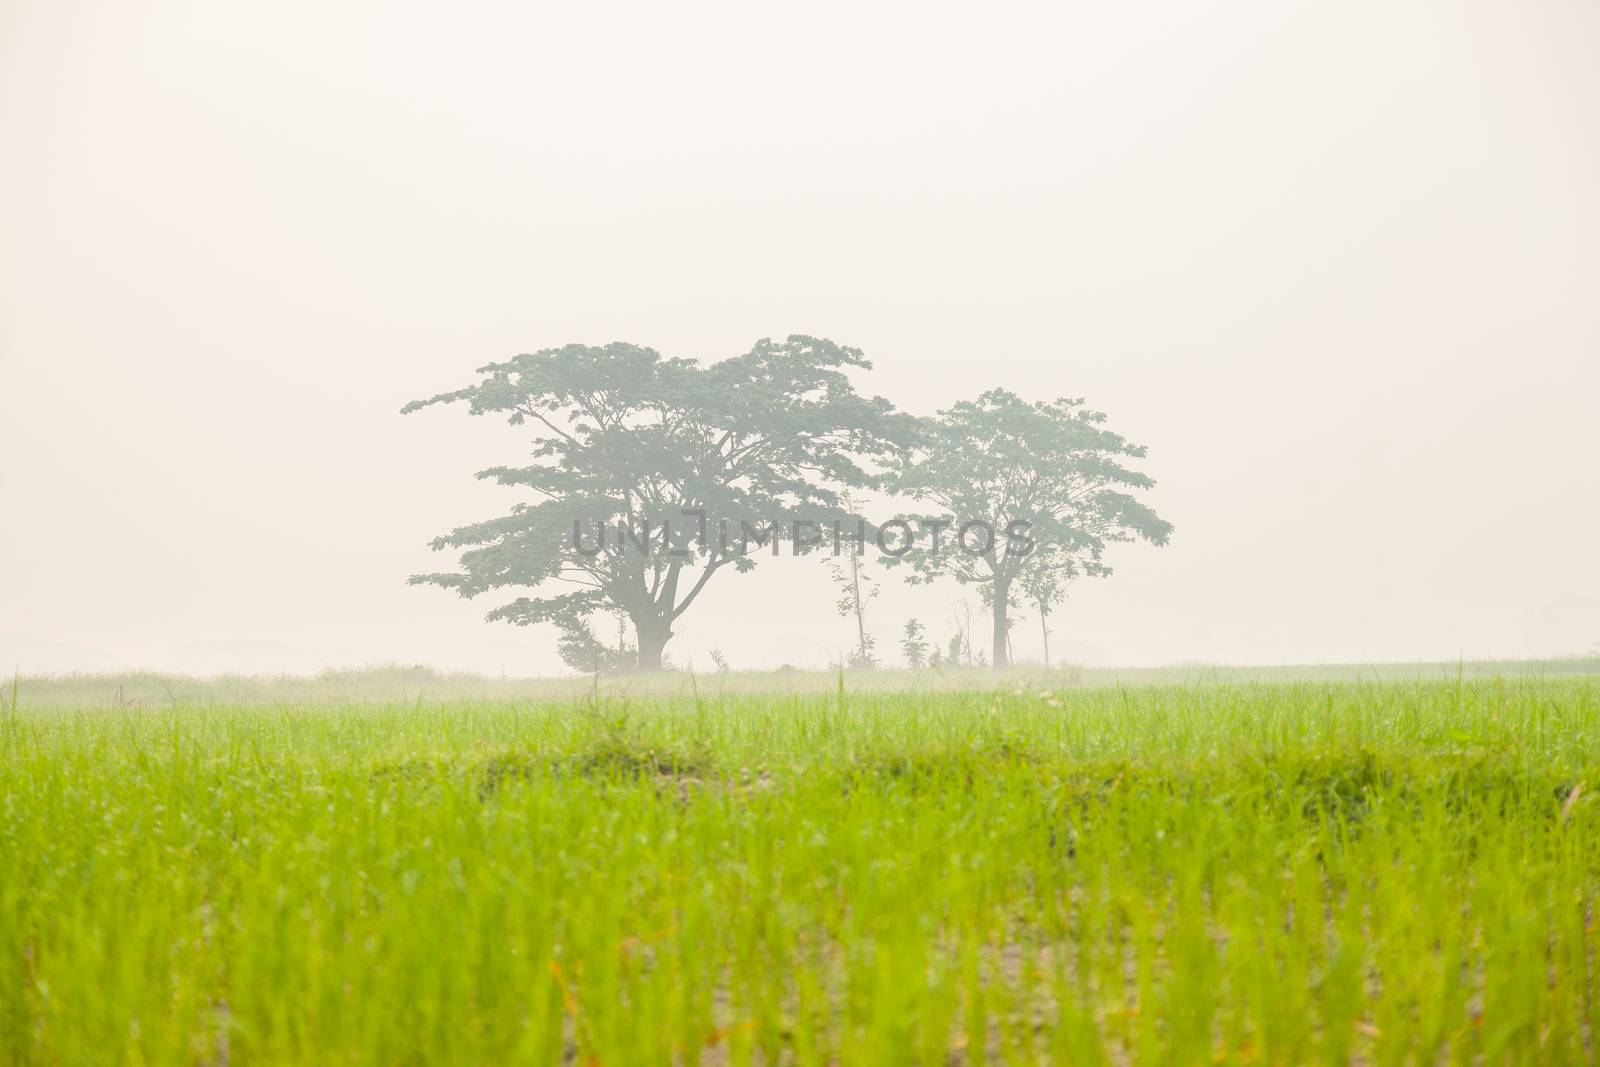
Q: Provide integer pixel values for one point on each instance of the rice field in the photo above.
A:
(1221, 871)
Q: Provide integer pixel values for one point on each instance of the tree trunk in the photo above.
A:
(653, 637)
(1002, 594)
(1044, 628)
(860, 609)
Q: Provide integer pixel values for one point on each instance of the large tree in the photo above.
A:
(669, 461)
(1030, 496)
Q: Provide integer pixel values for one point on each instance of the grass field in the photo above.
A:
(1389, 871)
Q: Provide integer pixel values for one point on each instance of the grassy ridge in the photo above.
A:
(1392, 872)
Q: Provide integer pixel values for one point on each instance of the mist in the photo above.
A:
(1333, 265)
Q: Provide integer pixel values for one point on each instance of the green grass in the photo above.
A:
(1249, 873)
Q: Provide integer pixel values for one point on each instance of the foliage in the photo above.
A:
(1044, 588)
(912, 645)
(583, 652)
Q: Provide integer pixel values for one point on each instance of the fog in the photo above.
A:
(1336, 265)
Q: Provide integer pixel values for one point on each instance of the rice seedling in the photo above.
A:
(1223, 871)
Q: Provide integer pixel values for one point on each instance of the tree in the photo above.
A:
(958, 651)
(856, 592)
(1045, 587)
(913, 646)
(1027, 490)
(669, 455)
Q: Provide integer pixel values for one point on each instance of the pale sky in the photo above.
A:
(1336, 264)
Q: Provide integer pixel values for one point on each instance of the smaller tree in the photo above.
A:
(1045, 587)
(856, 592)
(912, 646)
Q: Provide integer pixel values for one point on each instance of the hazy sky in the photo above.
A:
(1336, 264)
